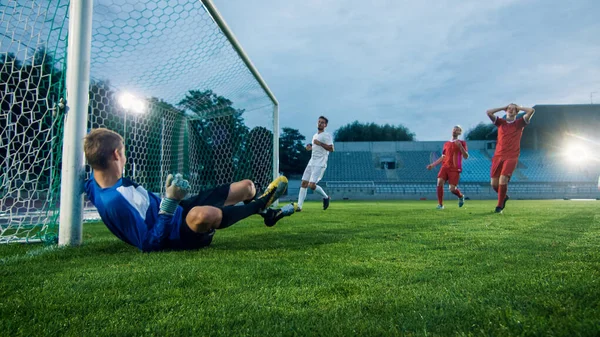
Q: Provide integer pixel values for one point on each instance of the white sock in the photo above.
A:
(302, 196)
(321, 192)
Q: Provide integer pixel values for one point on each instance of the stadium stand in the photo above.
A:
(477, 167)
(351, 166)
(534, 166)
(542, 166)
(412, 166)
(358, 170)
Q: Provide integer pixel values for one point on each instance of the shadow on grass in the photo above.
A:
(109, 247)
(289, 240)
(112, 248)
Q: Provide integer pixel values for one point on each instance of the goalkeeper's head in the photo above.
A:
(104, 150)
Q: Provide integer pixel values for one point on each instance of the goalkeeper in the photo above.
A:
(142, 219)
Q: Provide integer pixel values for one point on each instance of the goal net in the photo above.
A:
(164, 75)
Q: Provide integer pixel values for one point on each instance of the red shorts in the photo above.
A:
(449, 175)
(503, 166)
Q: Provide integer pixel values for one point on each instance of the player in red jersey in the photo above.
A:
(508, 148)
(452, 155)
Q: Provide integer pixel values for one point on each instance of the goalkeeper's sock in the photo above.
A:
(302, 196)
(233, 214)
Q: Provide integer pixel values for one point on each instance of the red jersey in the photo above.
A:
(509, 137)
(452, 155)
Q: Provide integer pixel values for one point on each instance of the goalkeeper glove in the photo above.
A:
(176, 190)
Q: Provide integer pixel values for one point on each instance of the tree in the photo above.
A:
(293, 157)
(483, 131)
(103, 108)
(259, 156)
(222, 131)
(162, 144)
(371, 132)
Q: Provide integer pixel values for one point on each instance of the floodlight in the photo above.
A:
(131, 103)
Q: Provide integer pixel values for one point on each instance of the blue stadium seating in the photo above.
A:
(534, 167)
(543, 166)
(412, 167)
(351, 166)
(477, 167)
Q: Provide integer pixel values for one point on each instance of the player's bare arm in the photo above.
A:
(436, 163)
(323, 145)
(528, 112)
(464, 152)
(492, 112)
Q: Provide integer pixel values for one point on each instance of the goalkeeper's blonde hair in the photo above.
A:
(99, 145)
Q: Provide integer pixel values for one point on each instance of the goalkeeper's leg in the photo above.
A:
(240, 191)
(200, 223)
(214, 209)
(201, 219)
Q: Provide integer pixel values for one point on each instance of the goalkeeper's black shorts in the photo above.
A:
(188, 239)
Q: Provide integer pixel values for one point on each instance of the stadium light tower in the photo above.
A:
(137, 106)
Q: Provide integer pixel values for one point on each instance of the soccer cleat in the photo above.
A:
(326, 203)
(498, 209)
(275, 190)
(461, 201)
(269, 217)
(272, 215)
(290, 209)
(440, 207)
(298, 209)
(505, 200)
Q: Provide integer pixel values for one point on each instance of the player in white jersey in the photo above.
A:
(322, 144)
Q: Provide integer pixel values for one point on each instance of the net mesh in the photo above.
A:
(32, 45)
(163, 75)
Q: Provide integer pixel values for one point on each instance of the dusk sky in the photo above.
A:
(425, 64)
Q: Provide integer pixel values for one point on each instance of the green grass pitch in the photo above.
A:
(360, 268)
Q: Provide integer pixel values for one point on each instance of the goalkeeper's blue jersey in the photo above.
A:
(131, 213)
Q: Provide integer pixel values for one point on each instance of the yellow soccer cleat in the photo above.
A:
(273, 192)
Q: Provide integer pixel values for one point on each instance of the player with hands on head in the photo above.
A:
(508, 148)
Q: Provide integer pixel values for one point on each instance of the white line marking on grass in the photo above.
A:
(30, 254)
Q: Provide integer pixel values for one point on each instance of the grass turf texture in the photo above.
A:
(359, 268)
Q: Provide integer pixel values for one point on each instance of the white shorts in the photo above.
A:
(313, 174)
